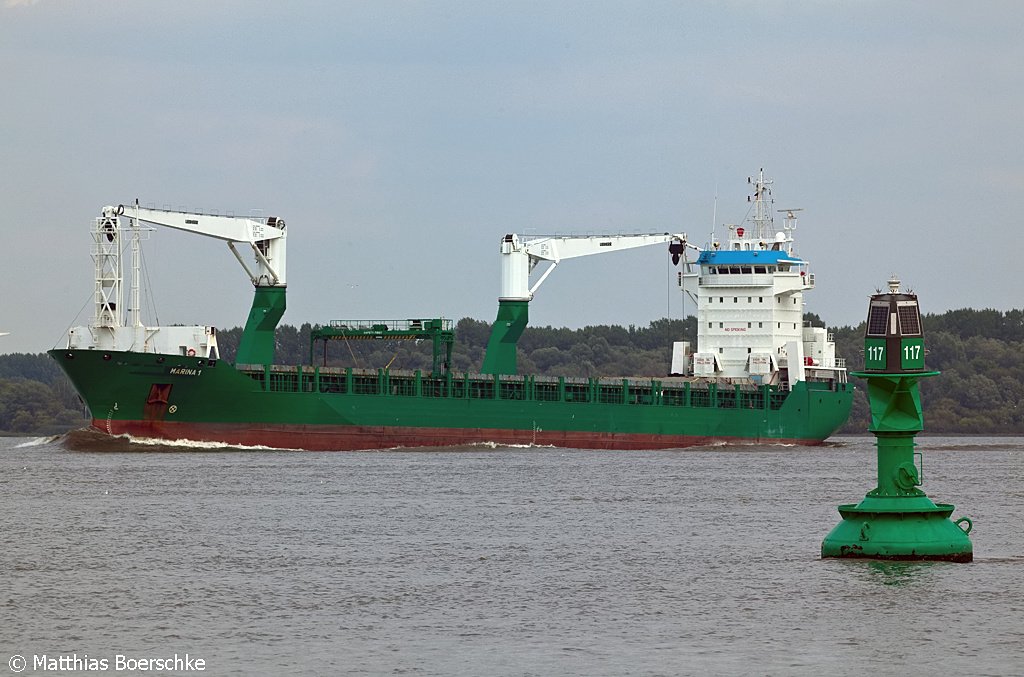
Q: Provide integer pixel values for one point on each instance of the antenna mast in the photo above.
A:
(714, 216)
(763, 223)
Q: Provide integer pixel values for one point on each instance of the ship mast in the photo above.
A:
(763, 223)
(135, 306)
(106, 255)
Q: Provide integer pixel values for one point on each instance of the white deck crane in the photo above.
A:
(114, 329)
(520, 257)
(265, 235)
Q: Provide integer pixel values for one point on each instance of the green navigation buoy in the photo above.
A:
(896, 520)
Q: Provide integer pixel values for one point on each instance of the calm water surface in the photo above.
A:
(505, 561)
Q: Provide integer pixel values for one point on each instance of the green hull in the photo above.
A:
(177, 397)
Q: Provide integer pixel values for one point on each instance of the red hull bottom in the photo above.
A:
(352, 438)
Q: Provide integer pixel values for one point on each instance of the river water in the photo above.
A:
(496, 561)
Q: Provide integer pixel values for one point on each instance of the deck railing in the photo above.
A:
(617, 391)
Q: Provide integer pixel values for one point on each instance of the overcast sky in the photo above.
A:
(401, 140)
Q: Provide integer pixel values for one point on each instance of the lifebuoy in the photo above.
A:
(191, 352)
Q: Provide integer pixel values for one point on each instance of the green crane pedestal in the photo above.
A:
(500, 358)
(896, 520)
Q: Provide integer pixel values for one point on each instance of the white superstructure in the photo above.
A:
(749, 294)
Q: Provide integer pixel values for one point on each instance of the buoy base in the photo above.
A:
(899, 528)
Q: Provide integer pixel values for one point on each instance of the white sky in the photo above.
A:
(401, 140)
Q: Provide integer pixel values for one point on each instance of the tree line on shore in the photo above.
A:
(36, 397)
(979, 352)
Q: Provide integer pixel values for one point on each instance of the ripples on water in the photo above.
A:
(495, 561)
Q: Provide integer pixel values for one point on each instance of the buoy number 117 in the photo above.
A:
(912, 352)
(876, 353)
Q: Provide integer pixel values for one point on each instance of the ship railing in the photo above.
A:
(389, 325)
(674, 392)
(740, 280)
(254, 214)
(835, 363)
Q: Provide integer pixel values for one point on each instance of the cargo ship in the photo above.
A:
(756, 375)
